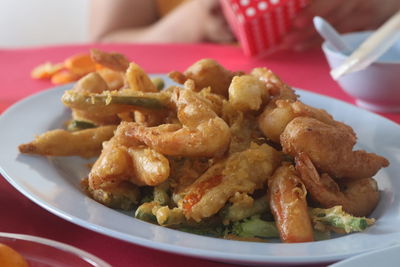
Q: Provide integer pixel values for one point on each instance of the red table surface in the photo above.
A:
(307, 71)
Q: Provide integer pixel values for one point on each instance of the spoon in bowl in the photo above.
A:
(371, 49)
(330, 35)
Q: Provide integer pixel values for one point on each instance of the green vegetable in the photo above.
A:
(76, 125)
(167, 217)
(163, 215)
(145, 212)
(238, 212)
(160, 194)
(78, 100)
(158, 82)
(335, 217)
(124, 197)
(137, 101)
(255, 227)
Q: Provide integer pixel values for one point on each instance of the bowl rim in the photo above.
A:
(328, 50)
(86, 256)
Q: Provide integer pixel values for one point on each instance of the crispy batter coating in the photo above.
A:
(242, 172)
(247, 93)
(85, 143)
(330, 148)
(124, 159)
(202, 133)
(357, 197)
(138, 80)
(278, 114)
(206, 73)
(276, 87)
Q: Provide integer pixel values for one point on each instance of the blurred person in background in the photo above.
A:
(191, 21)
(158, 21)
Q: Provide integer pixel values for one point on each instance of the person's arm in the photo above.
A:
(344, 15)
(111, 18)
(192, 21)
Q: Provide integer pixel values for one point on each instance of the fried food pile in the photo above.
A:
(228, 154)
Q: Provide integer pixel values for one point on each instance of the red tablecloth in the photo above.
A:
(308, 71)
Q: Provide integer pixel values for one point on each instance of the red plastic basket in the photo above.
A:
(260, 25)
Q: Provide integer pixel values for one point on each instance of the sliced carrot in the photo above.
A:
(46, 70)
(64, 76)
(80, 64)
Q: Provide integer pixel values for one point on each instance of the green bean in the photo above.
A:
(81, 101)
(76, 125)
(144, 212)
(255, 227)
(160, 193)
(237, 212)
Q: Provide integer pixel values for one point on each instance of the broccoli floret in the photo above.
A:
(336, 219)
(254, 227)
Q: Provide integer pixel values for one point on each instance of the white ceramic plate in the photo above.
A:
(54, 184)
(387, 257)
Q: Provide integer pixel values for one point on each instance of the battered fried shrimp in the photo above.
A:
(357, 197)
(287, 198)
(206, 73)
(84, 143)
(276, 87)
(138, 80)
(241, 172)
(330, 148)
(202, 134)
(124, 159)
(215, 101)
(184, 171)
(114, 61)
(274, 119)
(114, 79)
(91, 83)
(247, 93)
(278, 114)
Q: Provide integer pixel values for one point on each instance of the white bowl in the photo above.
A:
(43, 252)
(377, 87)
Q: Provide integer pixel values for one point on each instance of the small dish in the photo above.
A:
(38, 251)
(375, 88)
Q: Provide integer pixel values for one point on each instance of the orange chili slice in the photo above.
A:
(46, 70)
(80, 64)
(64, 76)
